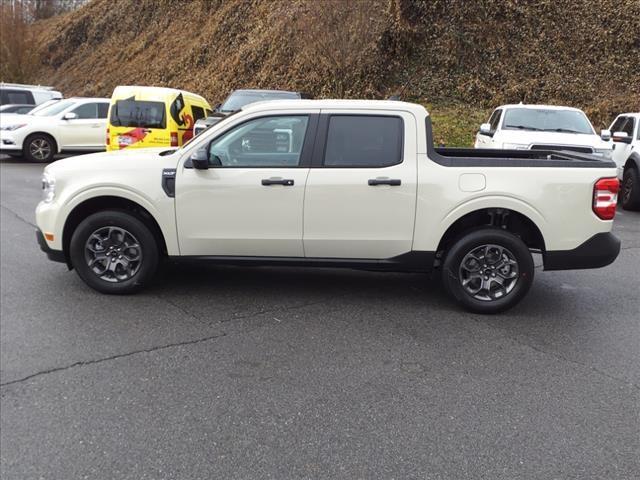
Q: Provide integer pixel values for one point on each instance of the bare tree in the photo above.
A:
(18, 57)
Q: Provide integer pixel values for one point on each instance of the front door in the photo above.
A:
(621, 150)
(87, 131)
(361, 192)
(249, 201)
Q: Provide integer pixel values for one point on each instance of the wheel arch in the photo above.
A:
(633, 161)
(40, 132)
(109, 202)
(506, 219)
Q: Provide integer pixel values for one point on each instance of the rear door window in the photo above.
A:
(363, 141)
(138, 113)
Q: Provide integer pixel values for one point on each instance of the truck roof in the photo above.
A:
(338, 104)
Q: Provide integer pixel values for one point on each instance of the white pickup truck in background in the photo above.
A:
(542, 127)
(336, 183)
(626, 139)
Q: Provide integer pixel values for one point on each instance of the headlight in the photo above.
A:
(515, 146)
(48, 187)
(603, 152)
(11, 128)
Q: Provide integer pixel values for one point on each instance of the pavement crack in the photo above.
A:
(22, 219)
(114, 357)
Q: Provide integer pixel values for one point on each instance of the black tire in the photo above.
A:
(508, 293)
(39, 147)
(113, 222)
(630, 190)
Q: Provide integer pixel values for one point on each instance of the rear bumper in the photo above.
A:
(599, 251)
(54, 255)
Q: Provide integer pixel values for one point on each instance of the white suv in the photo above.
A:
(542, 127)
(70, 125)
(626, 154)
(12, 93)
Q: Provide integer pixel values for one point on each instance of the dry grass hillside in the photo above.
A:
(459, 54)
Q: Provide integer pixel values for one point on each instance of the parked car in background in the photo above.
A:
(69, 125)
(16, 93)
(20, 109)
(142, 117)
(339, 183)
(242, 98)
(542, 127)
(625, 131)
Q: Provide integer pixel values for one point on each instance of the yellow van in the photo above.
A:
(141, 117)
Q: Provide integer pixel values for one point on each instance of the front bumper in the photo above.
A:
(54, 255)
(10, 142)
(599, 251)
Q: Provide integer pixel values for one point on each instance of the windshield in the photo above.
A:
(237, 100)
(53, 109)
(136, 113)
(566, 121)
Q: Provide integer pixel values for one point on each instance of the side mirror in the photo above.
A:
(200, 159)
(622, 137)
(485, 129)
(605, 135)
(70, 116)
(217, 109)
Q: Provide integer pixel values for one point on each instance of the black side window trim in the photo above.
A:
(307, 146)
(323, 133)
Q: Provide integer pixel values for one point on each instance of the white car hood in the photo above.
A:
(527, 137)
(122, 160)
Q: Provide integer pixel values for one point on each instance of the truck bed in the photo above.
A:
(471, 157)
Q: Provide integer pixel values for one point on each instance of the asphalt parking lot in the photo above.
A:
(291, 373)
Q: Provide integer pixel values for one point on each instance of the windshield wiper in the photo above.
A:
(564, 130)
(523, 127)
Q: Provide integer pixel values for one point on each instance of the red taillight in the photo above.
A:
(174, 139)
(605, 198)
(108, 137)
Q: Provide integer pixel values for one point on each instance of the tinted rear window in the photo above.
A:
(137, 113)
(16, 96)
(363, 141)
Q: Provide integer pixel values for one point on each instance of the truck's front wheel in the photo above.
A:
(488, 270)
(114, 252)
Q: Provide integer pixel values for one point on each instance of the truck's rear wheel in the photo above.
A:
(114, 252)
(631, 189)
(488, 270)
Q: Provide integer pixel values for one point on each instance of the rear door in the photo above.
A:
(360, 198)
(139, 124)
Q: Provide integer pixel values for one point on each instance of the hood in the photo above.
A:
(527, 137)
(134, 161)
(7, 119)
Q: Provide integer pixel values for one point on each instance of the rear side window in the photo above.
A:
(198, 113)
(103, 110)
(136, 113)
(363, 141)
(8, 96)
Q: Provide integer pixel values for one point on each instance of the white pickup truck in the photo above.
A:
(337, 183)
